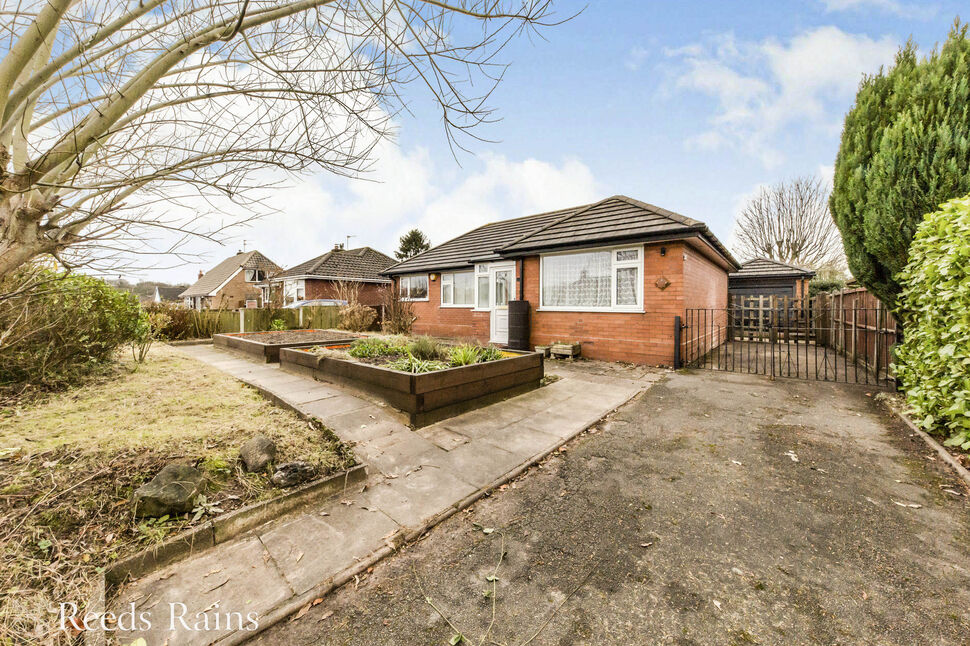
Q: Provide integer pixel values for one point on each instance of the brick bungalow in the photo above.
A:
(232, 283)
(318, 277)
(611, 275)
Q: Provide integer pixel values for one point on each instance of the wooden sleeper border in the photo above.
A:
(425, 397)
(268, 352)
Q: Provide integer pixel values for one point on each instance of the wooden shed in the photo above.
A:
(764, 277)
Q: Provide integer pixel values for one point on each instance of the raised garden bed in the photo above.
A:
(426, 397)
(266, 345)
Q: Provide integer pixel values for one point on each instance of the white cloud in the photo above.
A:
(407, 191)
(904, 10)
(635, 58)
(763, 87)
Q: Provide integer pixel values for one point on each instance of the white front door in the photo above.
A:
(501, 279)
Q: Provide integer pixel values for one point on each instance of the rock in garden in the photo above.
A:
(172, 491)
(293, 473)
(258, 453)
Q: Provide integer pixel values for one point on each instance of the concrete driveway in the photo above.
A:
(712, 509)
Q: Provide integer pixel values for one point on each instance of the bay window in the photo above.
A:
(601, 279)
(458, 289)
(413, 288)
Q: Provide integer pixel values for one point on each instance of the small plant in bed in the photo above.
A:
(410, 363)
(426, 348)
(422, 354)
(375, 347)
(464, 355)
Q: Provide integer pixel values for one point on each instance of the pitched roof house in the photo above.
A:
(765, 277)
(611, 275)
(231, 283)
(319, 277)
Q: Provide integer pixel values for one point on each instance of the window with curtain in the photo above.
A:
(413, 288)
(603, 279)
(458, 289)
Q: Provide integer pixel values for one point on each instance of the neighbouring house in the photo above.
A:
(232, 283)
(318, 278)
(611, 275)
(764, 277)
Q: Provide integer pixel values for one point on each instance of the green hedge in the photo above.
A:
(933, 362)
(62, 327)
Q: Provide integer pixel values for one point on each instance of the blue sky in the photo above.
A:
(688, 105)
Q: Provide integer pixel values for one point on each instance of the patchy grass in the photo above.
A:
(69, 463)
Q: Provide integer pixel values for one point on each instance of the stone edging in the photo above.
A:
(190, 342)
(211, 533)
(397, 540)
(932, 443)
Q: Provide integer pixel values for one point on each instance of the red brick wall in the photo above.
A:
(639, 337)
(706, 290)
(456, 322)
(645, 337)
(370, 293)
(235, 293)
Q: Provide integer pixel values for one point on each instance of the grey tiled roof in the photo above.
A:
(478, 245)
(213, 278)
(363, 264)
(764, 267)
(612, 220)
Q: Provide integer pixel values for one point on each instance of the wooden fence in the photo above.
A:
(858, 326)
(204, 323)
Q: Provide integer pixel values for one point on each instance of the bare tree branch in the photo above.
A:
(790, 222)
(112, 109)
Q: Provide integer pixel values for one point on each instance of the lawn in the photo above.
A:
(69, 463)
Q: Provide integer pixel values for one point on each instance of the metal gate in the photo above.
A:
(818, 339)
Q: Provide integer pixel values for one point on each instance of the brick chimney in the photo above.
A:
(201, 274)
(338, 246)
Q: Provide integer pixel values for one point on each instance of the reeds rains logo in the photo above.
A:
(178, 618)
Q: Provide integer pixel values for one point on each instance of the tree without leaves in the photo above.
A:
(790, 222)
(111, 113)
(905, 150)
(411, 244)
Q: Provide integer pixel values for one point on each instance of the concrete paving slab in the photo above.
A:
(420, 495)
(311, 548)
(442, 437)
(246, 582)
(478, 462)
(397, 454)
(522, 441)
(333, 405)
(364, 425)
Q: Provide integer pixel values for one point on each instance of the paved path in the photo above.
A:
(687, 520)
(416, 479)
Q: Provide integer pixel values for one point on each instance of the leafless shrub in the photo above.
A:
(398, 314)
(353, 316)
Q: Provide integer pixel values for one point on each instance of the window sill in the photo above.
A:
(593, 310)
(457, 307)
(415, 300)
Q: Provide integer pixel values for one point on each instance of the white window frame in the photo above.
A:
(481, 271)
(408, 277)
(449, 279)
(615, 265)
(256, 275)
(293, 291)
